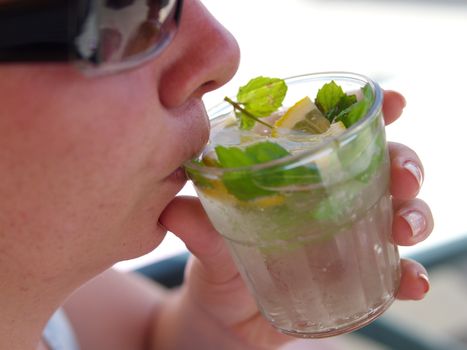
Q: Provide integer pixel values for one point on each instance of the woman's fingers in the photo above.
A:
(393, 105)
(406, 172)
(412, 223)
(414, 281)
(413, 220)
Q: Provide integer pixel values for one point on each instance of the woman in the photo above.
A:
(89, 167)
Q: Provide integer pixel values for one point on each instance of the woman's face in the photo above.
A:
(88, 165)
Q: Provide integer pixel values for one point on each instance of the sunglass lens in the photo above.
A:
(129, 31)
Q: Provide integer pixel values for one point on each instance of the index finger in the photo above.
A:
(393, 105)
(186, 218)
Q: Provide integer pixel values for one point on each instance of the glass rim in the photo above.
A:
(321, 147)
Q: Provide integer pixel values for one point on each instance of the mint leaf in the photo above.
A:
(246, 123)
(364, 155)
(331, 100)
(247, 120)
(358, 110)
(197, 176)
(345, 102)
(277, 177)
(367, 92)
(239, 183)
(262, 96)
(233, 157)
(265, 151)
(259, 98)
(328, 97)
(248, 184)
(242, 186)
(353, 114)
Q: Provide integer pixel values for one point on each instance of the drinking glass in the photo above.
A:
(317, 256)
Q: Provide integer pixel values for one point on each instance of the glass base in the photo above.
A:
(346, 328)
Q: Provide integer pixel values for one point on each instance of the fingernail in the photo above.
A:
(416, 222)
(414, 170)
(425, 281)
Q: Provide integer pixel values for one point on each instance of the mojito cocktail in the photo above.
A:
(298, 185)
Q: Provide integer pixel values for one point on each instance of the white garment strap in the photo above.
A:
(58, 334)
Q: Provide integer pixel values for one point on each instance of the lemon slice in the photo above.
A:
(295, 114)
(269, 201)
(218, 192)
(303, 115)
(210, 159)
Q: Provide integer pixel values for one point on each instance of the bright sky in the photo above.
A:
(417, 47)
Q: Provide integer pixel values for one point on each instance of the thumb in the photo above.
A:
(185, 217)
(213, 281)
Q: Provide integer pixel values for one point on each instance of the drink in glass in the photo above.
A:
(308, 220)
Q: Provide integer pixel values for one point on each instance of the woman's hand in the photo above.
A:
(412, 221)
(214, 287)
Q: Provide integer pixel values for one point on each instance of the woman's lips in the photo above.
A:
(178, 176)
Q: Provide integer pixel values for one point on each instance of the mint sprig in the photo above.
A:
(247, 119)
(246, 184)
(331, 100)
(358, 110)
(336, 105)
(259, 98)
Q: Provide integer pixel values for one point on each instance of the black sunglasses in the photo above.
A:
(102, 36)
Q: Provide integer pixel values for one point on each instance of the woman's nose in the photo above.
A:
(202, 57)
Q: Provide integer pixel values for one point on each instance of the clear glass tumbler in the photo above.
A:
(318, 258)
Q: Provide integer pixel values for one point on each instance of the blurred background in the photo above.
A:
(417, 47)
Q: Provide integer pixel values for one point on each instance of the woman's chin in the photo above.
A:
(140, 246)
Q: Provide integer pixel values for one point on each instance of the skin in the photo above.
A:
(87, 180)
